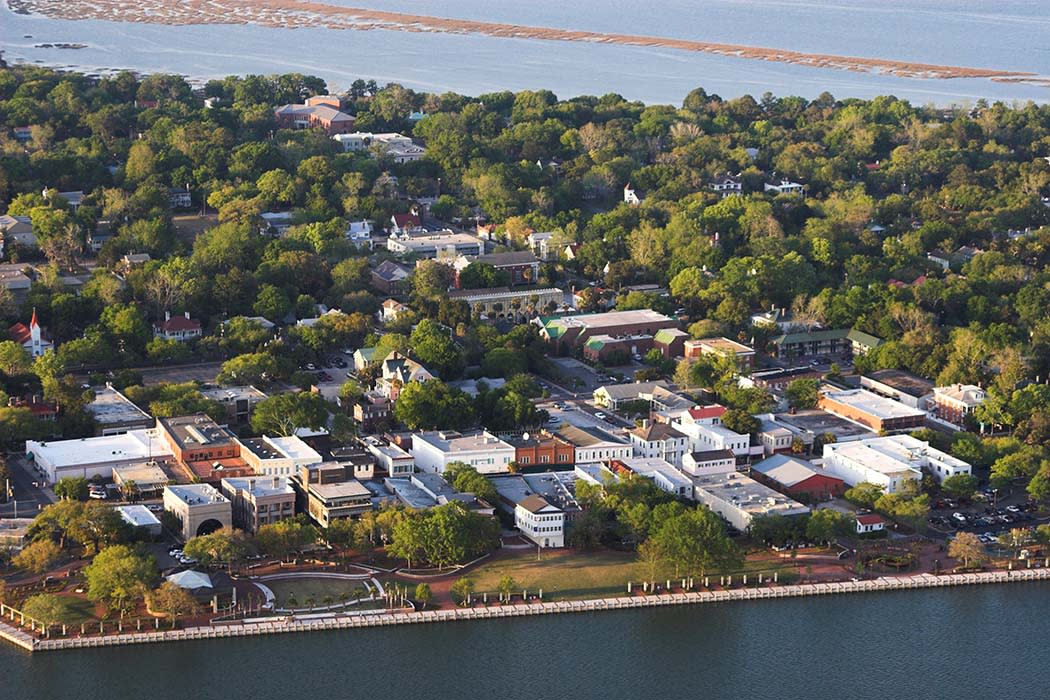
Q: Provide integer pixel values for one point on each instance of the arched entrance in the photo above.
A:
(208, 526)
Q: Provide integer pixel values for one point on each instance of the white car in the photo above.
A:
(600, 416)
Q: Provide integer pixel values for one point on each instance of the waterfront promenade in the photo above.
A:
(333, 621)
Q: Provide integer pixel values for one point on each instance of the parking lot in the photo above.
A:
(988, 519)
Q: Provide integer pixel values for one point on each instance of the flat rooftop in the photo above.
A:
(410, 494)
(140, 445)
(196, 494)
(612, 318)
(293, 447)
(873, 404)
(143, 474)
(747, 495)
(138, 516)
(587, 436)
(725, 345)
(453, 441)
(818, 422)
(232, 394)
(650, 466)
(344, 489)
(904, 382)
(260, 486)
(198, 429)
(110, 407)
(893, 454)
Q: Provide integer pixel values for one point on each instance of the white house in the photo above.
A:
(359, 233)
(16, 230)
(394, 146)
(704, 436)
(390, 310)
(540, 242)
(870, 522)
(398, 371)
(727, 185)
(630, 196)
(540, 521)
(659, 440)
(784, 187)
(433, 451)
(889, 461)
(180, 328)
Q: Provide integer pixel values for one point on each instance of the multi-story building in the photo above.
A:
(444, 245)
(203, 447)
(568, 332)
(910, 390)
(721, 347)
(541, 449)
(239, 401)
(400, 149)
(594, 444)
(659, 440)
(659, 471)
(540, 521)
(199, 507)
(871, 410)
(709, 462)
(96, 456)
(390, 278)
(521, 266)
(889, 461)
(319, 112)
(739, 499)
(390, 459)
(327, 494)
(499, 303)
(277, 456)
(954, 403)
(259, 501)
(435, 450)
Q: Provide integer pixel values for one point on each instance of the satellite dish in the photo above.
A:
(525, 436)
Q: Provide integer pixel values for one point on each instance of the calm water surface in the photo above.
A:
(986, 642)
(1005, 34)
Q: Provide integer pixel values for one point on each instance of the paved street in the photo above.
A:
(27, 499)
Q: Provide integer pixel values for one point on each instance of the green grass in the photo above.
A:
(318, 588)
(579, 575)
(75, 610)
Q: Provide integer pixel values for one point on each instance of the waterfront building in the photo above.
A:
(739, 499)
(889, 461)
(259, 501)
(200, 508)
(435, 450)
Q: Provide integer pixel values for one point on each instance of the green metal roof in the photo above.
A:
(864, 338)
(810, 337)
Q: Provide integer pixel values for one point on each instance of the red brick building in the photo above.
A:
(319, 112)
(798, 479)
(542, 450)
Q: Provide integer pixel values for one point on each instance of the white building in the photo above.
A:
(31, 337)
(540, 521)
(709, 462)
(784, 187)
(659, 440)
(139, 516)
(394, 146)
(278, 456)
(710, 434)
(630, 196)
(435, 450)
(389, 456)
(660, 472)
(96, 456)
(594, 444)
(359, 233)
(739, 499)
(259, 501)
(889, 461)
(199, 507)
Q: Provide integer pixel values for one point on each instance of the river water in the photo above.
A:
(1005, 34)
(976, 643)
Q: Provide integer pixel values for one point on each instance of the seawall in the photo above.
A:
(380, 619)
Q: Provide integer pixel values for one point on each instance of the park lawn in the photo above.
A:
(317, 588)
(75, 610)
(569, 575)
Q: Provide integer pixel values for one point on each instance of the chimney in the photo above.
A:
(167, 315)
(187, 315)
(276, 482)
(251, 484)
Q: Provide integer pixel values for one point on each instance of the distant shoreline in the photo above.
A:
(337, 621)
(312, 13)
